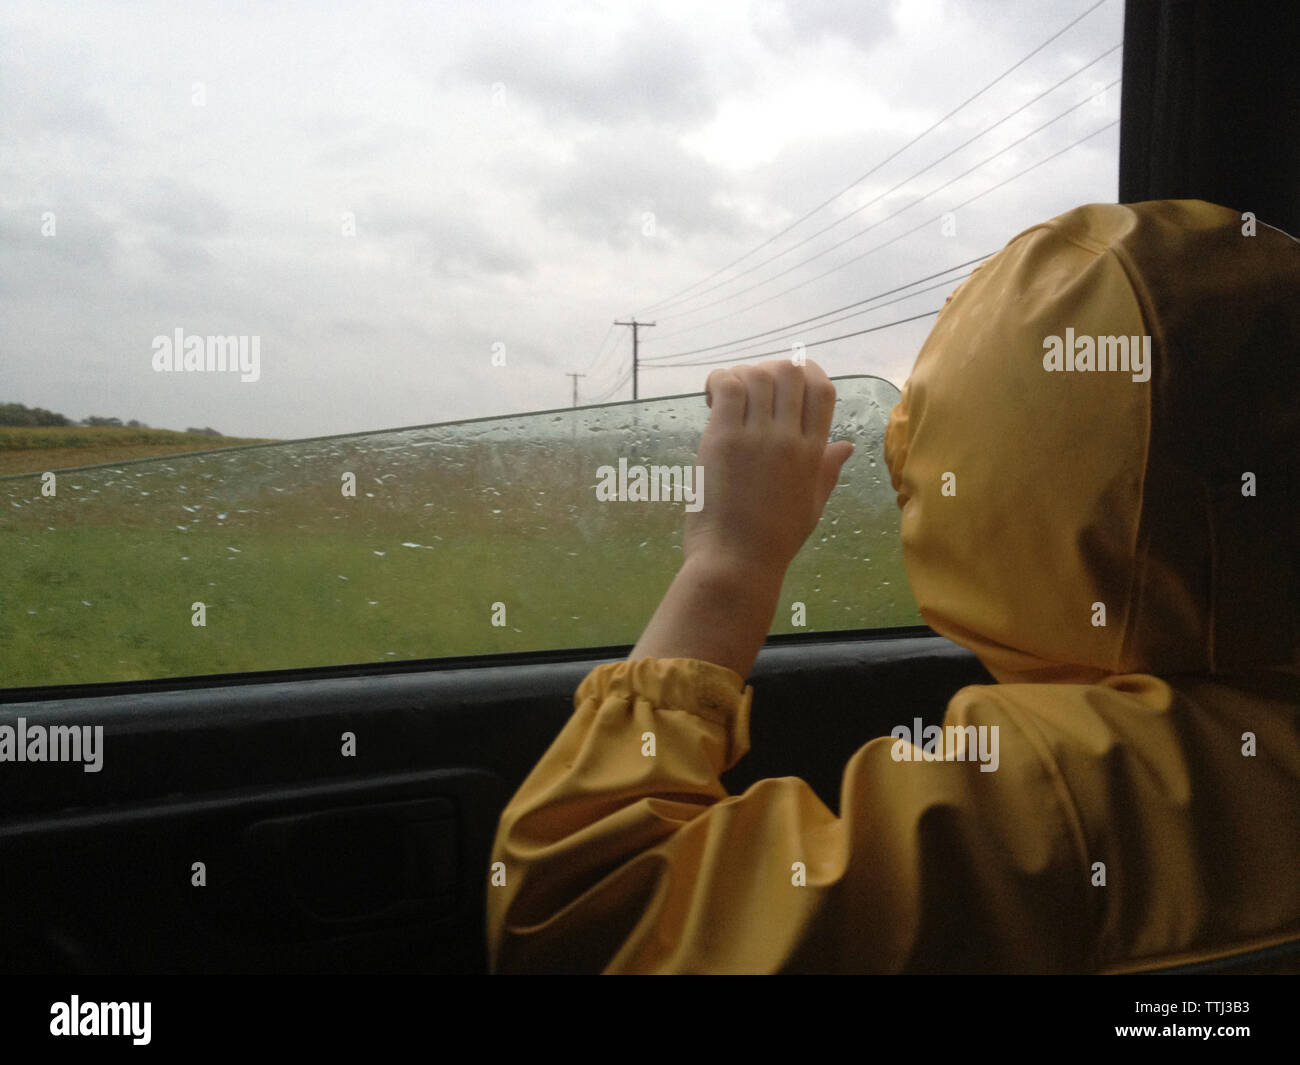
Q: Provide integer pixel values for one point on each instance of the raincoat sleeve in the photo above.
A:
(622, 851)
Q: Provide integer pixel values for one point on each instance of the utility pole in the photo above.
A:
(635, 326)
(575, 377)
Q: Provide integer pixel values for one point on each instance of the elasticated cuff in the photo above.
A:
(710, 691)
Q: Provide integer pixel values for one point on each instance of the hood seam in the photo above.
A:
(1140, 548)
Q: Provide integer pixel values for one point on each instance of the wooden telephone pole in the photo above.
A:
(635, 326)
(575, 377)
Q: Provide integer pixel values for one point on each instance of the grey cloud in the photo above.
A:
(79, 256)
(453, 243)
(178, 209)
(354, 329)
(866, 25)
(615, 179)
(654, 72)
(354, 142)
(181, 254)
(45, 91)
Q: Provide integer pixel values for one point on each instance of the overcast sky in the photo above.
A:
(517, 176)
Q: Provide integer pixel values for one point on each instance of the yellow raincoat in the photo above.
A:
(1120, 550)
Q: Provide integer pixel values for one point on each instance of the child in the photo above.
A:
(1094, 459)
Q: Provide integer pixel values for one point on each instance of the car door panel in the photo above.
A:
(343, 819)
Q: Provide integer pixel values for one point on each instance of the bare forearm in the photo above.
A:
(771, 471)
(713, 611)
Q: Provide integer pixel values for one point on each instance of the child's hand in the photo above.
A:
(768, 470)
(767, 475)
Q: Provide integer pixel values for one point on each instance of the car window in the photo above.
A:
(458, 214)
(468, 538)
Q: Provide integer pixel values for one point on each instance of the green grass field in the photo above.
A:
(98, 583)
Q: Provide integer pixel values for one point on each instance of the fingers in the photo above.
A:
(725, 394)
(833, 460)
(819, 402)
(788, 394)
(760, 389)
(801, 397)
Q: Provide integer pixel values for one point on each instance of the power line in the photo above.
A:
(900, 236)
(636, 327)
(613, 349)
(825, 314)
(835, 321)
(894, 188)
(901, 321)
(604, 358)
(601, 350)
(813, 344)
(627, 374)
(894, 214)
(621, 376)
(826, 203)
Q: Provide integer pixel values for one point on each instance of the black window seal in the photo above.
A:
(560, 656)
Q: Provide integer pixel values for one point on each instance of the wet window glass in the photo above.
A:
(468, 538)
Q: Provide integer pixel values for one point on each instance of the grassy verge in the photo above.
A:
(94, 604)
(25, 449)
(461, 541)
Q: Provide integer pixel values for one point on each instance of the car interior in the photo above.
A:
(339, 818)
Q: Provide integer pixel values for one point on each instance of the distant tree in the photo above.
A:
(93, 420)
(18, 414)
(133, 424)
(207, 431)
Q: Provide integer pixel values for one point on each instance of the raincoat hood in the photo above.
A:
(1093, 454)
